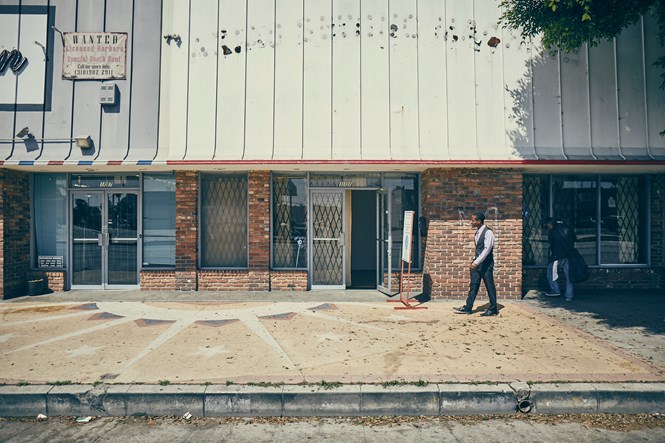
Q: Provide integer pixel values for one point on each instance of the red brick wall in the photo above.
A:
(601, 278)
(223, 280)
(54, 281)
(186, 229)
(449, 246)
(258, 188)
(162, 280)
(288, 280)
(14, 232)
(416, 280)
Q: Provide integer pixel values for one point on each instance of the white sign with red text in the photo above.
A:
(94, 55)
(407, 236)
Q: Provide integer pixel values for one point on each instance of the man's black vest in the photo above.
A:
(480, 245)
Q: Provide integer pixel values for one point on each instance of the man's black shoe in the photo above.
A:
(462, 310)
(489, 313)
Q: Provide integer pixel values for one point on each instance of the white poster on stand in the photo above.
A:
(407, 236)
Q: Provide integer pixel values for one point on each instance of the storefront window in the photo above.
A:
(404, 198)
(50, 220)
(535, 209)
(622, 229)
(289, 222)
(575, 202)
(609, 215)
(159, 220)
(223, 221)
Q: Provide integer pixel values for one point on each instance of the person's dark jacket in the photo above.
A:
(562, 241)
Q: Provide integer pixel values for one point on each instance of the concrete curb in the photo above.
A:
(315, 400)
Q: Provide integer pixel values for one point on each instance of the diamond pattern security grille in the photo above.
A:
(327, 254)
(289, 233)
(628, 210)
(535, 206)
(223, 221)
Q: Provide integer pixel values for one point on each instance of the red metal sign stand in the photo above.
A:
(405, 301)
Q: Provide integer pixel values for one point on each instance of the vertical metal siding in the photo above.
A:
(630, 85)
(202, 81)
(574, 104)
(115, 118)
(173, 105)
(288, 79)
(655, 97)
(374, 79)
(317, 81)
(546, 104)
(432, 80)
(461, 82)
(488, 67)
(58, 120)
(275, 80)
(403, 26)
(144, 82)
(517, 95)
(231, 82)
(260, 85)
(602, 93)
(90, 17)
(345, 79)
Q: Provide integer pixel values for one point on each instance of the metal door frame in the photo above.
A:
(387, 193)
(104, 251)
(310, 241)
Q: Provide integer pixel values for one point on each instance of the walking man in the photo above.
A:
(481, 268)
(562, 242)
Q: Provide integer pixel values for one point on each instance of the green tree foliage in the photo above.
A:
(568, 24)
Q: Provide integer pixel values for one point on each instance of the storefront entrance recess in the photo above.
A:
(351, 240)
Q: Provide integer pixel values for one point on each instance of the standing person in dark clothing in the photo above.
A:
(562, 241)
(481, 268)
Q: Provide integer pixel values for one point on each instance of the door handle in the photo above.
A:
(103, 239)
(341, 240)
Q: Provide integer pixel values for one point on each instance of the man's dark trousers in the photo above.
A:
(484, 272)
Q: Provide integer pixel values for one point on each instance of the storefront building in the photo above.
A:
(227, 145)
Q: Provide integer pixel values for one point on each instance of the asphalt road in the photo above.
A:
(586, 428)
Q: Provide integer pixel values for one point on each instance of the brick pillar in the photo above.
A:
(449, 247)
(14, 232)
(258, 187)
(186, 229)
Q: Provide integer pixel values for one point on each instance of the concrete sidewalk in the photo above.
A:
(321, 353)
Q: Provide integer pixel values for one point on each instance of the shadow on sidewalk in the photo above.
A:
(613, 308)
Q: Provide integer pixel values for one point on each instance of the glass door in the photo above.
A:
(384, 243)
(104, 240)
(122, 240)
(327, 239)
(87, 239)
